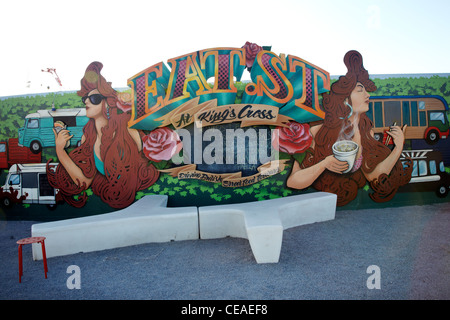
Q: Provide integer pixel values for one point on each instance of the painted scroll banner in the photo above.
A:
(234, 179)
(208, 114)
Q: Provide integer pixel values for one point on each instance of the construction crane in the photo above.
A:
(53, 72)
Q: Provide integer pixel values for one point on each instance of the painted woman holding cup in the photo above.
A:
(345, 108)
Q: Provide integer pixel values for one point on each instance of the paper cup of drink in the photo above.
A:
(346, 150)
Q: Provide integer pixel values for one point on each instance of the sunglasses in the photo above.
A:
(94, 98)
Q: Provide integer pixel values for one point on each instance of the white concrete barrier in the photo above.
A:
(147, 220)
(263, 222)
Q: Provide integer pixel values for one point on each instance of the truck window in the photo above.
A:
(433, 169)
(392, 113)
(378, 114)
(414, 172)
(370, 111)
(421, 105)
(414, 114)
(406, 110)
(423, 168)
(2, 147)
(33, 124)
(437, 116)
(423, 118)
(29, 180)
(68, 121)
(14, 180)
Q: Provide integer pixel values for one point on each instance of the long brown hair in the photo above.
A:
(126, 169)
(336, 113)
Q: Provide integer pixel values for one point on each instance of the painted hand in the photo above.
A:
(334, 165)
(62, 138)
(398, 135)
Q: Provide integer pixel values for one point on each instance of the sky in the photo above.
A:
(393, 36)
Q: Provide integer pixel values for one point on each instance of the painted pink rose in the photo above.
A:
(124, 101)
(295, 138)
(251, 51)
(161, 144)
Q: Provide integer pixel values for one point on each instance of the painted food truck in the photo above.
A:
(429, 172)
(29, 183)
(426, 116)
(37, 132)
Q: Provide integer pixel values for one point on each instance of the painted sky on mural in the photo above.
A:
(401, 36)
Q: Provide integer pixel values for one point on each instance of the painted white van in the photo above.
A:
(30, 180)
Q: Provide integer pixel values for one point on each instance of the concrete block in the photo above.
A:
(147, 220)
(263, 222)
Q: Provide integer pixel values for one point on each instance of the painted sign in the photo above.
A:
(195, 128)
(289, 84)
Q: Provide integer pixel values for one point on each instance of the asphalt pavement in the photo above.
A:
(375, 254)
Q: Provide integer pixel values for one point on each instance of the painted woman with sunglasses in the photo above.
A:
(109, 159)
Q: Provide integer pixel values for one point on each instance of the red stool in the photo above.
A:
(29, 241)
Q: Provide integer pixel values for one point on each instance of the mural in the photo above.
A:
(345, 152)
(109, 158)
(198, 134)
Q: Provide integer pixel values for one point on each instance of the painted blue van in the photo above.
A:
(37, 132)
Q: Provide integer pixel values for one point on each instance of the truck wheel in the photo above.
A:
(7, 203)
(442, 191)
(51, 207)
(35, 147)
(432, 137)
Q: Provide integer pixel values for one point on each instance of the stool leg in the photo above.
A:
(20, 263)
(44, 258)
